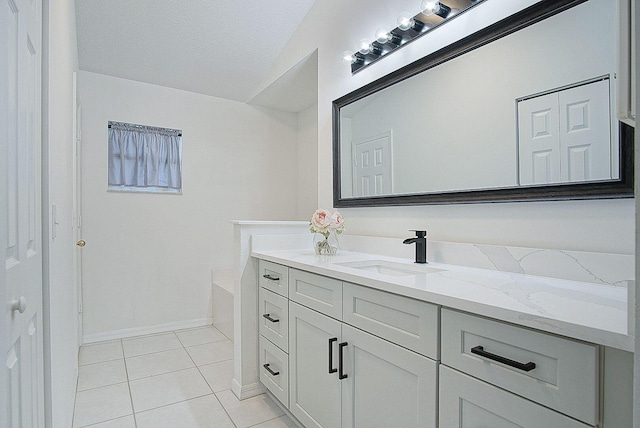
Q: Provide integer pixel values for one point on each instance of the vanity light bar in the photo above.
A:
(432, 14)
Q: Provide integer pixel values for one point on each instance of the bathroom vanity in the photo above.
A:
(366, 340)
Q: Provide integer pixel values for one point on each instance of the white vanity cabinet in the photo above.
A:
(356, 356)
(341, 375)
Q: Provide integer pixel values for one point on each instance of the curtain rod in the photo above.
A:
(123, 125)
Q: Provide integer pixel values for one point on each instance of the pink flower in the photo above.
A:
(324, 222)
(337, 222)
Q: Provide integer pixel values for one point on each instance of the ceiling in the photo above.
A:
(212, 47)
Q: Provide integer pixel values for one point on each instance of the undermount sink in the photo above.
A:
(390, 268)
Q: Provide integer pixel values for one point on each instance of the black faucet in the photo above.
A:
(421, 245)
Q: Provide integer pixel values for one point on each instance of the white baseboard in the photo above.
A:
(139, 331)
(246, 391)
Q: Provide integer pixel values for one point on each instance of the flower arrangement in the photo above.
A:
(328, 225)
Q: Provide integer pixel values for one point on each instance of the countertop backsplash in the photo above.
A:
(598, 268)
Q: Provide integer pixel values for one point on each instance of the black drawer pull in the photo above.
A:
(331, 368)
(272, 278)
(527, 367)
(268, 316)
(266, 366)
(341, 374)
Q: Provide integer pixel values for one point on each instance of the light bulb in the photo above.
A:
(382, 35)
(364, 47)
(348, 57)
(429, 7)
(405, 21)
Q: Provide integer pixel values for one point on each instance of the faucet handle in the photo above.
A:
(419, 233)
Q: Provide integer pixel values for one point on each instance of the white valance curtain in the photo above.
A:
(144, 157)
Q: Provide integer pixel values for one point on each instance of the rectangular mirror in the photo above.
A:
(522, 110)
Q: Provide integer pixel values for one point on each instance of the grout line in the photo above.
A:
(268, 420)
(101, 386)
(126, 371)
(172, 404)
(225, 409)
(107, 420)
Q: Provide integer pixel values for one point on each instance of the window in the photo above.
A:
(144, 158)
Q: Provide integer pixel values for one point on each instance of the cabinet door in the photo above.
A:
(466, 402)
(387, 385)
(314, 392)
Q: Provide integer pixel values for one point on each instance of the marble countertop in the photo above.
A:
(586, 311)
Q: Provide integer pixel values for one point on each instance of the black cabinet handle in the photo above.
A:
(527, 367)
(341, 374)
(266, 366)
(272, 278)
(268, 316)
(331, 368)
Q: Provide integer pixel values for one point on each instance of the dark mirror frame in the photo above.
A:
(609, 189)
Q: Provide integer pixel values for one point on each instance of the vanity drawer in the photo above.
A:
(316, 292)
(470, 403)
(275, 376)
(407, 322)
(273, 277)
(565, 376)
(274, 318)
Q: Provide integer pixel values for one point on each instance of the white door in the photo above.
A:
(314, 391)
(565, 136)
(585, 135)
(387, 385)
(21, 225)
(77, 203)
(539, 140)
(372, 166)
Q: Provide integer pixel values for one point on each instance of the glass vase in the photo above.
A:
(325, 245)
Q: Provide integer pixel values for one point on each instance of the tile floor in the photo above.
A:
(179, 379)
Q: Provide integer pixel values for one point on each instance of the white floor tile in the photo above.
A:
(203, 412)
(250, 411)
(126, 422)
(281, 422)
(158, 363)
(150, 344)
(218, 375)
(210, 353)
(100, 352)
(102, 404)
(101, 374)
(198, 336)
(169, 388)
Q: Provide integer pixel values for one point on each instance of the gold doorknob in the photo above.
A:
(81, 243)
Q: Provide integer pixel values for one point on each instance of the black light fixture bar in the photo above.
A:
(422, 23)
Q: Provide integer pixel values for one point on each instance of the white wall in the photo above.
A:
(148, 260)
(60, 60)
(307, 162)
(605, 225)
